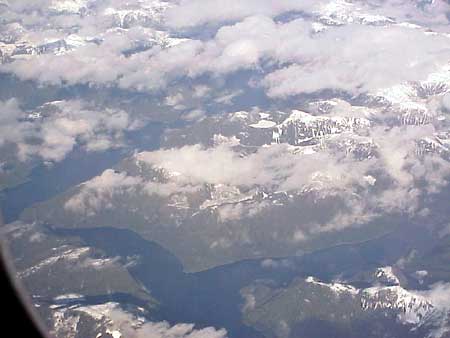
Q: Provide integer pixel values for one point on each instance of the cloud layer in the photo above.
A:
(394, 181)
(349, 46)
(54, 130)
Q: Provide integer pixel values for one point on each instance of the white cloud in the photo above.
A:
(190, 13)
(276, 264)
(277, 168)
(236, 177)
(97, 193)
(286, 57)
(11, 130)
(122, 323)
(356, 58)
(168, 189)
(293, 59)
(125, 323)
(438, 294)
(274, 167)
(55, 134)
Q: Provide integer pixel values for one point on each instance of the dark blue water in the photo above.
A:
(46, 183)
(79, 166)
(209, 298)
(212, 297)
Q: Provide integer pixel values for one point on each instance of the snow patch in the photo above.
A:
(263, 124)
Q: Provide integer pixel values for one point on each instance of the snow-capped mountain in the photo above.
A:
(385, 275)
(301, 128)
(148, 14)
(53, 46)
(401, 311)
(411, 308)
(265, 140)
(18, 41)
(340, 12)
(69, 6)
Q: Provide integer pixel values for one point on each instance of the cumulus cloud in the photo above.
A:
(361, 47)
(148, 70)
(230, 175)
(163, 329)
(356, 58)
(438, 294)
(190, 13)
(277, 167)
(97, 194)
(432, 13)
(395, 180)
(350, 58)
(291, 57)
(276, 264)
(237, 211)
(274, 167)
(126, 324)
(119, 322)
(58, 127)
(11, 129)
